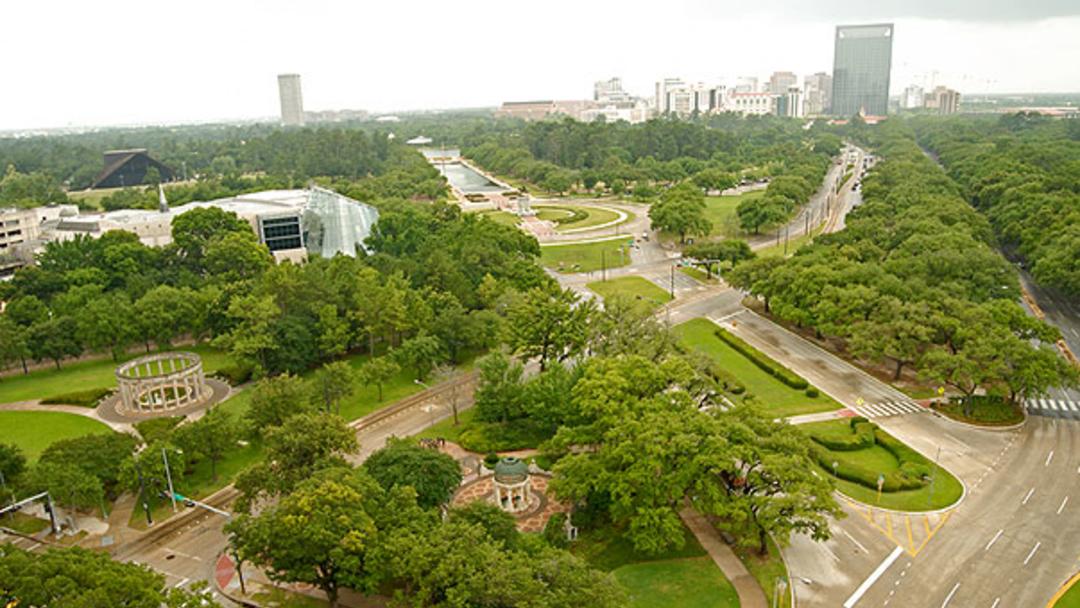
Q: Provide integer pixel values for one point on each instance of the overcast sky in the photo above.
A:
(125, 61)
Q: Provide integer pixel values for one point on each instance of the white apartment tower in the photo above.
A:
(292, 102)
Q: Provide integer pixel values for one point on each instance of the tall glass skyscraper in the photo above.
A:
(862, 60)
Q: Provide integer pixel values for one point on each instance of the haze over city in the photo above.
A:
(203, 61)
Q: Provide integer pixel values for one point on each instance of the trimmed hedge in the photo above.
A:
(910, 475)
(87, 398)
(235, 375)
(576, 215)
(484, 437)
(861, 438)
(761, 360)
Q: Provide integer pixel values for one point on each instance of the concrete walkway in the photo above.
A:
(750, 593)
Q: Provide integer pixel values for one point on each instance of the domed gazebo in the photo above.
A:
(513, 492)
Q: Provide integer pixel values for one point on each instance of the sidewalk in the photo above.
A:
(259, 587)
(750, 593)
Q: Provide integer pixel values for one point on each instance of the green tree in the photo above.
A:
(236, 256)
(12, 462)
(757, 212)
(498, 524)
(681, 210)
(549, 323)
(333, 383)
(432, 474)
(98, 454)
(320, 534)
(302, 445)
(54, 339)
(421, 353)
(213, 436)
(500, 389)
(712, 254)
(379, 371)
(334, 332)
(274, 400)
(13, 345)
(73, 577)
(105, 322)
(193, 231)
(68, 484)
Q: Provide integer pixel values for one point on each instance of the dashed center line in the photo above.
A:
(997, 600)
(993, 540)
(1032, 554)
(1062, 507)
(1028, 497)
(1049, 457)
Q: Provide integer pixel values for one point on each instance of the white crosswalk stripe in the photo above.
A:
(1054, 408)
(885, 409)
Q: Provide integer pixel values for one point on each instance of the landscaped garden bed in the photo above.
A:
(856, 453)
(983, 410)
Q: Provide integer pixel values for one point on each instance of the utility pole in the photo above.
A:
(142, 495)
(168, 476)
(672, 281)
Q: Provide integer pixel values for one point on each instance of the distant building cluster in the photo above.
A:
(293, 114)
(858, 84)
(942, 100)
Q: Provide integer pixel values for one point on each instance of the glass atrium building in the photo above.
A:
(862, 60)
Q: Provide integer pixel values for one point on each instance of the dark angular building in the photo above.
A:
(128, 168)
(862, 61)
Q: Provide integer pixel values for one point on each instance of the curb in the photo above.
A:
(232, 598)
(980, 427)
(1069, 584)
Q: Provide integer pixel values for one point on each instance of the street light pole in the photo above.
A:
(673, 281)
(142, 494)
(168, 476)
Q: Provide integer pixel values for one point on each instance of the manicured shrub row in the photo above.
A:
(714, 370)
(87, 398)
(910, 475)
(235, 375)
(759, 359)
(484, 437)
(576, 215)
(861, 438)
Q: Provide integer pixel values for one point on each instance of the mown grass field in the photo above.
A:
(83, 375)
(720, 210)
(1071, 599)
(586, 257)
(693, 582)
(594, 215)
(775, 398)
(32, 432)
(946, 488)
(637, 288)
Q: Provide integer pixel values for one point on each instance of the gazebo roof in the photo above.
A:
(510, 470)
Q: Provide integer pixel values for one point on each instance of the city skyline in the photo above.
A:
(397, 66)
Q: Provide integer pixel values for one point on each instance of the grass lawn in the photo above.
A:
(447, 429)
(586, 257)
(1071, 599)
(698, 274)
(84, 375)
(32, 432)
(720, 210)
(767, 569)
(594, 215)
(633, 287)
(775, 398)
(947, 489)
(21, 522)
(986, 413)
(608, 548)
(693, 582)
(501, 217)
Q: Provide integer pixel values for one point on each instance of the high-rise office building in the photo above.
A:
(611, 90)
(944, 100)
(663, 87)
(912, 97)
(292, 102)
(780, 82)
(862, 61)
(817, 93)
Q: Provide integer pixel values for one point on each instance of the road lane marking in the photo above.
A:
(1028, 497)
(1062, 507)
(181, 583)
(852, 539)
(910, 540)
(948, 598)
(997, 600)
(876, 574)
(1049, 458)
(993, 540)
(1032, 554)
